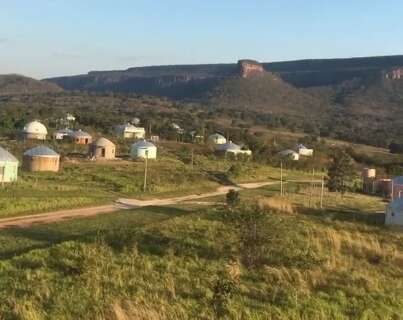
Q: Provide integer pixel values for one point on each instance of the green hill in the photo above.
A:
(12, 84)
(266, 93)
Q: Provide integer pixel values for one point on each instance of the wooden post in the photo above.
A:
(145, 172)
(192, 158)
(322, 191)
(281, 178)
(311, 188)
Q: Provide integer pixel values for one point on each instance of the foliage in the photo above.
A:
(232, 198)
(341, 173)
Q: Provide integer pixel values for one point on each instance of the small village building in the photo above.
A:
(129, 131)
(34, 131)
(155, 138)
(394, 213)
(232, 148)
(8, 166)
(290, 154)
(62, 134)
(143, 149)
(196, 136)
(397, 188)
(81, 137)
(41, 158)
(177, 128)
(217, 138)
(102, 148)
(304, 151)
(136, 121)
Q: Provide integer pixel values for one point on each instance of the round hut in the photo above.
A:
(8, 166)
(102, 148)
(41, 158)
(143, 149)
(35, 131)
(217, 138)
(81, 137)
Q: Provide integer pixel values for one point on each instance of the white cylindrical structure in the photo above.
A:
(143, 149)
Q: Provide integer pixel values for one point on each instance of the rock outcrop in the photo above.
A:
(250, 68)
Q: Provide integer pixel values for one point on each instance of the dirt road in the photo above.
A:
(120, 204)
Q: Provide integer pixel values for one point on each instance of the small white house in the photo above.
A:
(232, 148)
(217, 138)
(129, 131)
(143, 149)
(394, 213)
(304, 151)
(62, 134)
(290, 154)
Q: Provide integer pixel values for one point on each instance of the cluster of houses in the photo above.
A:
(301, 150)
(389, 188)
(43, 158)
(221, 145)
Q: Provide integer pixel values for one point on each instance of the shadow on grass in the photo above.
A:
(17, 241)
(220, 177)
(345, 214)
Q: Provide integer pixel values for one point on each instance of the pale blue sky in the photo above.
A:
(42, 38)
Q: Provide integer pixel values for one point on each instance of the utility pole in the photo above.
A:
(145, 171)
(322, 191)
(312, 187)
(281, 178)
(192, 158)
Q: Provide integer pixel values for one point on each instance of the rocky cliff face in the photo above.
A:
(250, 68)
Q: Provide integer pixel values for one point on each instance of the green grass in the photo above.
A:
(84, 183)
(164, 263)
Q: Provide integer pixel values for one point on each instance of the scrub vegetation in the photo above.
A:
(239, 262)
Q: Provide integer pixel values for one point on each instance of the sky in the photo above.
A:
(46, 38)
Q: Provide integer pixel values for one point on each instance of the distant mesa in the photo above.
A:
(250, 68)
(395, 74)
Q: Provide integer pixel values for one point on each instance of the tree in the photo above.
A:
(232, 198)
(341, 173)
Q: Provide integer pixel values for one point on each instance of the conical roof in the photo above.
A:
(143, 144)
(35, 127)
(81, 134)
(6, 156)
(41, 151)
(103, 142)
(229, 146)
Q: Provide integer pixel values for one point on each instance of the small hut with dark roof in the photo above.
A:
(102, 148)
(41, 158)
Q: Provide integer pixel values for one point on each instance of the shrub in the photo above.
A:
(232, 198)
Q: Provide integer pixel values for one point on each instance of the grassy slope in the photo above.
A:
(163, 263)
(266, 93)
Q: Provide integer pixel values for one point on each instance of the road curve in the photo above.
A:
(120, 204)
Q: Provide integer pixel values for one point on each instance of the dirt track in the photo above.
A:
(120, 204)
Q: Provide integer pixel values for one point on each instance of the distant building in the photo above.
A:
(129, 131)
(177, 128)
(290, 154)
(35, 131)
(62, 134)
(217, 138)
(102, 148)
(8, 166)
(304, 151)
(155, 138)
(397, 187)
(394, 213)
(143, 149)
(81, 137)
(232, 148)
(41, 158)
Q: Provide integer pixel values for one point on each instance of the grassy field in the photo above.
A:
(84, 183)
(185, 262)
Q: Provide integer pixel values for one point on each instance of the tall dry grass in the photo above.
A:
(276, 204)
